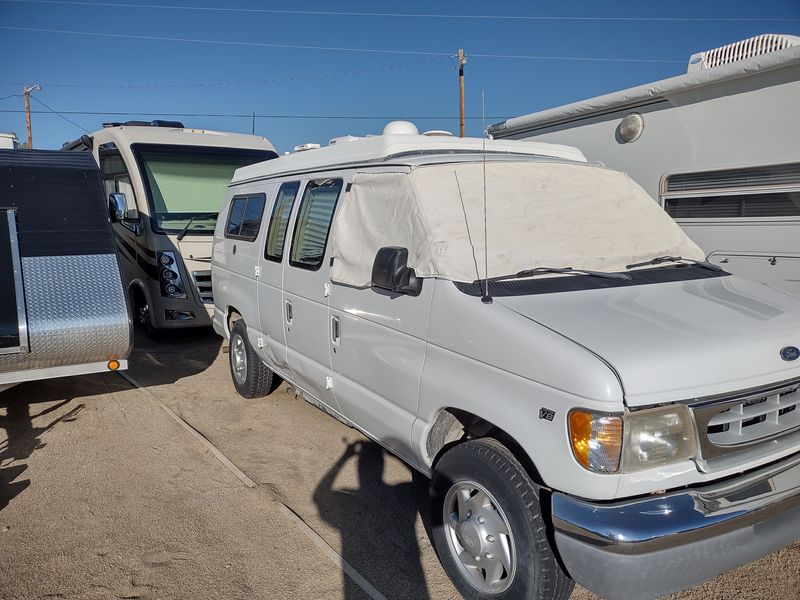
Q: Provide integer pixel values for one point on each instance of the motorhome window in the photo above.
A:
(775, 204)
(185, 182)
(313, 223)
(115, 174)
(279, 221)
(244, 219)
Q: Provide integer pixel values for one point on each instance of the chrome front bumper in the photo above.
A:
(661, 544)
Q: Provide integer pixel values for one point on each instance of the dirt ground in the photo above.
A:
(103, 495)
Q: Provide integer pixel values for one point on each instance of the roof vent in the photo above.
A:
(754, 46)
(343, 139)
(400, 128)
(304, 147)
(437, 133)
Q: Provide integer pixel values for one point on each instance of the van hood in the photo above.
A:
(677, 340)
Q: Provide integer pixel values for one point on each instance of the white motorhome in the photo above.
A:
(512, 322)
(63, 309)
(9, 141)
(717, 147)
(168, 183)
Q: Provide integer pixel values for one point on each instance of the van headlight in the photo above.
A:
(658, 436)
(632, 442)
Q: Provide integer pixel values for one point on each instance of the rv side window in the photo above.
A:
(776, 204)
(115, 174)
(244, 219)
(279, 221)
(313, 223)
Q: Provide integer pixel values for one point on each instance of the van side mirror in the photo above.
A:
(391, 272)
(117, 207)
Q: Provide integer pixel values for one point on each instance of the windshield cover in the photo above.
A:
(189, 182)
(536, 214)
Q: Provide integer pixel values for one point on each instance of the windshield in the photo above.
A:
(185, 183)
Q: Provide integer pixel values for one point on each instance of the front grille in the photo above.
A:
(728, 425)
(202, 281)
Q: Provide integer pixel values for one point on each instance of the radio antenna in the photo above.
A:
(486, 298)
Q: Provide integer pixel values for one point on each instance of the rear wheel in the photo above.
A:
(251, 377)
(488, 529)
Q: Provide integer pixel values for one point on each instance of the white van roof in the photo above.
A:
(398, 149)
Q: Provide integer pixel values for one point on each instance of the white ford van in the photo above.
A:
(591, 399)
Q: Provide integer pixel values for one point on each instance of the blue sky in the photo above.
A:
(85, 72)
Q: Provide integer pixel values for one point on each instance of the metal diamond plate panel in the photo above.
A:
(76, 312)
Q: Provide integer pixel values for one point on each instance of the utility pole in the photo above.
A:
(462, 60)
(26, 92)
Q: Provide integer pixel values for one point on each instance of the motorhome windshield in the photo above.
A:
(185, 183)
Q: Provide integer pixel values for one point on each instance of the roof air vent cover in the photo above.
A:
(754, 46)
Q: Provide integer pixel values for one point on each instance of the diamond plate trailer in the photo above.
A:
(63, 309)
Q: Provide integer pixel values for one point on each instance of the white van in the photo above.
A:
(591, 399)
(167, 183)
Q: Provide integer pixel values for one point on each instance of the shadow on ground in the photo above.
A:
(22, 439)
(175, 355)
(376, 522)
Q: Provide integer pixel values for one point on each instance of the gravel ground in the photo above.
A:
(103, 495)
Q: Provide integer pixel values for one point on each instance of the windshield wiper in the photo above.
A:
(556, 270)
(664, 259)
(185, 230)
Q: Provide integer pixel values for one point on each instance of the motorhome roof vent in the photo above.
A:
(437, 133)
(304, 147)
(754, 46)
(400, 128)
(343, 139)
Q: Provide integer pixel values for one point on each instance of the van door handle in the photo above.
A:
(288, 312)
(335, 329)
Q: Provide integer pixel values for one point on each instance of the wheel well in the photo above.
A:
(233, 316)
(453, 426)
(137, 296)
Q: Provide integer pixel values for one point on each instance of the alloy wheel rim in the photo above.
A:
(479, 537)
(238, 359)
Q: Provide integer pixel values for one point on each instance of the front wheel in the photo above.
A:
(488, 529)
(251, 377)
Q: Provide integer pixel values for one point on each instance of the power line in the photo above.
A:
(12, 95)
(230, 83)
(405, 15)
(250, 115)
(338, 48)
(55, 112)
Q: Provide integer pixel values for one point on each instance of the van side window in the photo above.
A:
(313, 223)
(279, 221)
(244, 218)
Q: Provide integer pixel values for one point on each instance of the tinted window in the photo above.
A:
(244, 219)
(314, 223)
(276, 234)
(778, 204)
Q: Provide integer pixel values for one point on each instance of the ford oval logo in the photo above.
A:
(790, 353)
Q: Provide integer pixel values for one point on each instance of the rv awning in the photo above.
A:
(537, 215)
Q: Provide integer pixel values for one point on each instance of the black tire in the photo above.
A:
(142, 318)
(536, 574)
(256, 379)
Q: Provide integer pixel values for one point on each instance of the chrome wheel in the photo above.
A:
(239, 359)
(479, 537)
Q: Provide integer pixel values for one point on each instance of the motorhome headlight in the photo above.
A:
(596, 440)
(169, 277)
(657, 436)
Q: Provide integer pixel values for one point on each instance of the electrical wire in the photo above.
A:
(230, 83)
(335, 48)
(404, 15)
(59, 114)
(250, 115)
